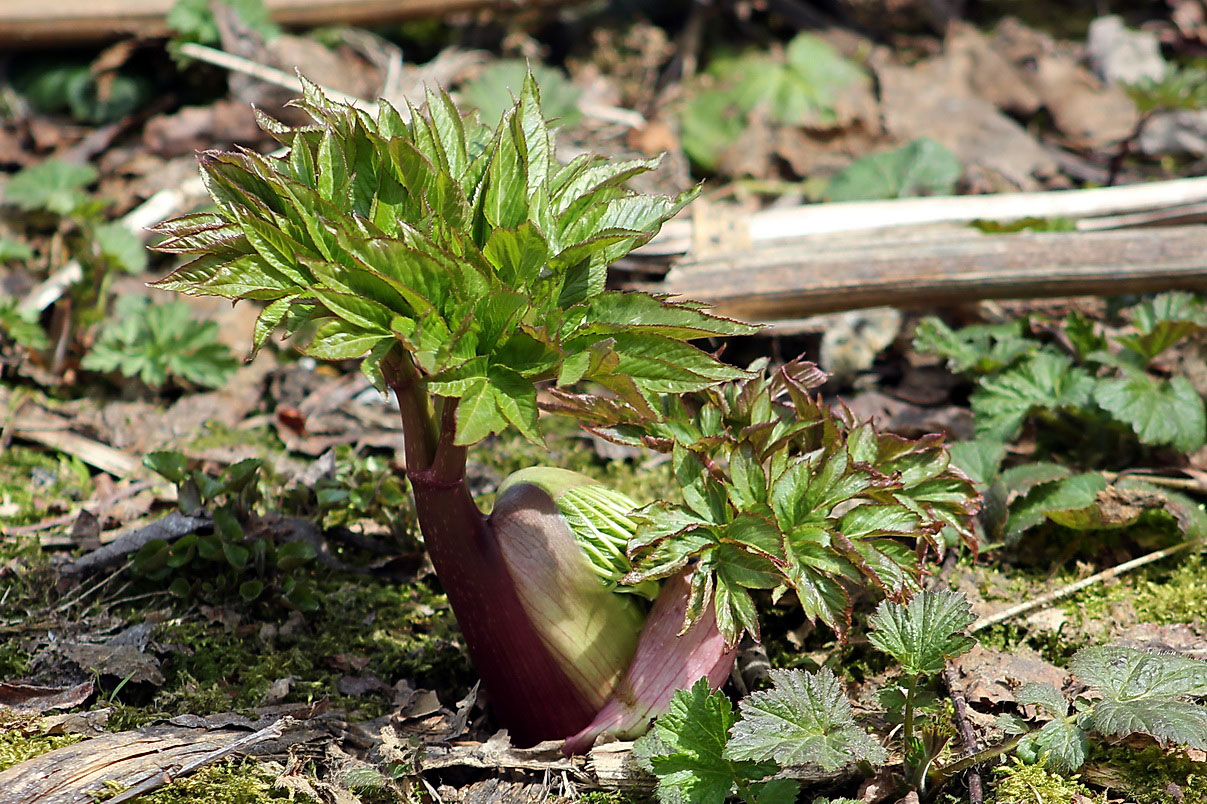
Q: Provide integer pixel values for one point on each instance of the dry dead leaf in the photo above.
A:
(991, 677)
(935, 99)
(34, 698)
(1090, 114)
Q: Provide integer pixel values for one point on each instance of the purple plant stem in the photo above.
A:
(528, 691)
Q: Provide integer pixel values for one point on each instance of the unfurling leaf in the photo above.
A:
(922, 634)
(803, 719)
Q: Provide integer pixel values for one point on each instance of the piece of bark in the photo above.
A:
(76, 21)
(796, 278)
(170, 528)
(138, 761)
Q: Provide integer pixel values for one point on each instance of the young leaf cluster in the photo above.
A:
(239, 556)
(781, 492)
(161, 342)
(468, 261)
(1096, 377)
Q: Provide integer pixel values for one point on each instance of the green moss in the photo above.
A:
(1173, 591)
(20, 739)
(216, 435)
(1152, 775)
(1017, 783)
(35, 484)
(224, 783)
(398, 632)
(608, 797)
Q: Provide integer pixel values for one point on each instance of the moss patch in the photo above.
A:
(1016, 783)
(368, 627)
(1150, 775)
(224, 783)
(20, 739)
(34, 484)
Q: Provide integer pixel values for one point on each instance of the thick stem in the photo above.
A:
(529, 692)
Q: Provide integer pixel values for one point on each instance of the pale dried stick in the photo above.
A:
(1065, 591)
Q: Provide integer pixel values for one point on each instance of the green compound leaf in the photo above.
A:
(780, 492)
(801, 89)
(1163, 321)
(685, 750)
(924, 167)
(459, 246)
(158, 342)
(1159, 411)
(922, 634)
(1145, 692)
(54, 185)
(804, 719)
(978, 349)
(1045, 381)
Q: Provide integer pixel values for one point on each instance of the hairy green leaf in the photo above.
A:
(922, 634)
(923, 167)
(1045, 381)
(685, 750)
(803, 719)
(1145, 692)
(1159, 411)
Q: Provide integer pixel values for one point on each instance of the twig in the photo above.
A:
(171, 527)
(976, 793)
(262, 72)
(1065, 591)
(168, 775)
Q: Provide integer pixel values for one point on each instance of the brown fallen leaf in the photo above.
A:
(35, 698)
(935, 98)
(1090, 114)
(991, 677)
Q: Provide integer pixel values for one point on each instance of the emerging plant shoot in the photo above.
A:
(464, 267)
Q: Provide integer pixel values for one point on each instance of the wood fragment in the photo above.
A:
(855, 216)
(27, 24)
(138, 761)
(816, 275)
(171, 527)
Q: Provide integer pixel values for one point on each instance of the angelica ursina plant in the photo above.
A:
(464, 267)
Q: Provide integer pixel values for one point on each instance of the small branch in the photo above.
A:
(262, 72)
(937, 777)
(1063, 592)
(976, 793)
